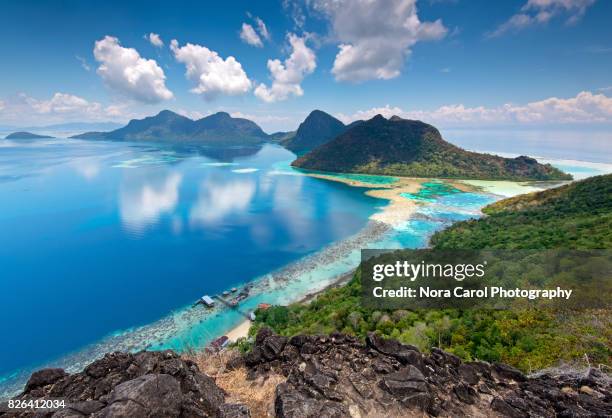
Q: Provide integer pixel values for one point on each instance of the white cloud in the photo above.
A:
(255, 36)
(287, 75)
(375, 40)
(248, 35)
(262, 28)
(260, 118)
(2, 105)
(212, 74)
(155, 39)
(61, 107)
(126, 72)
(585, 107)
(536, 12)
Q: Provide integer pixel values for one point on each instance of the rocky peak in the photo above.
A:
(145, 384)
(340, 376)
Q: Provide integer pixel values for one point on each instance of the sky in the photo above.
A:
(454, 63)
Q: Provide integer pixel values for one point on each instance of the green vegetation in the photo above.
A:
(408, 148)
(576, 216)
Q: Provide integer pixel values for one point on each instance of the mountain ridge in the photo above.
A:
(412, 148)
(217, 129)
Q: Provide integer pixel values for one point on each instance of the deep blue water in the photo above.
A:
(97, 237)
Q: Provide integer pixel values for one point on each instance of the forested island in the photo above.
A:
(410, 148)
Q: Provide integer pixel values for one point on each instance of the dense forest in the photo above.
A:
(575, 216)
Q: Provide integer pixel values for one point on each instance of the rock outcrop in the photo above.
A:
(332, 376)
(341, 376)
(146, 384)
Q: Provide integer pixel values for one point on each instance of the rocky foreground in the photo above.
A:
(326, 376)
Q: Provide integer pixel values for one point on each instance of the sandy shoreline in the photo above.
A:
(242, 329)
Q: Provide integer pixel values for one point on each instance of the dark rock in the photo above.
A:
(272, 346)
(329, 376)
(465, 394)
(405, 382)
(502, 407)
(44, 377)
(262, 334)
(469, 374)
(151, 394)
(145, 384)
(405, 354)
(508, 372)
(442, 358)
(292, 403)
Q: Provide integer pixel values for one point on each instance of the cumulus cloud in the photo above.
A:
(248, 35)
(288, 75)
(536, 12)
(375, 40)
(211, 74)
(155, 39)
(126, 72)
(60, 107)
(585, 107)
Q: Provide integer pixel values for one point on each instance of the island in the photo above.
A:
(219, 129)
(27, 135)
(411, 148)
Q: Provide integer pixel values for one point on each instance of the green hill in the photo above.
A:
(575, 216)
(317, 129)
(217, 129)
(409, 148)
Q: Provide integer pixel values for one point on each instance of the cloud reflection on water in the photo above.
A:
(145, 198)
(218, 199)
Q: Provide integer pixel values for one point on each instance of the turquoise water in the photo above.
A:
(105, 246)
(431, 191)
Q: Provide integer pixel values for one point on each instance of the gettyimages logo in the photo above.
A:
(497, 279)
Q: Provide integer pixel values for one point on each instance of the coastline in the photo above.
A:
(242, 329)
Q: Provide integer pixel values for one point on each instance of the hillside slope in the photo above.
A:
(317, 129)
(411, 148)
(576, 216)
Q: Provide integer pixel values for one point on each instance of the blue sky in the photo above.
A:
(453, 63)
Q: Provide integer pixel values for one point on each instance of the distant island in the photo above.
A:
(410, 148)
(26, 135)
(218, 129)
